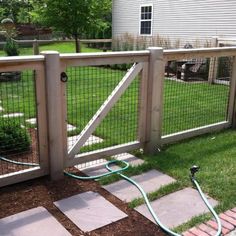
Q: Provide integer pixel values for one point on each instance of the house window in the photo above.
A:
(146, 20)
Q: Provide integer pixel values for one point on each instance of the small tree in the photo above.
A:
(73, 17)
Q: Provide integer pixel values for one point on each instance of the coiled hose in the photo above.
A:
(193, 170)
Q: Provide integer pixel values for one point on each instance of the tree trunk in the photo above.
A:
(77, 43)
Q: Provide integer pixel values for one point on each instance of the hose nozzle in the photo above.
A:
(194, 169)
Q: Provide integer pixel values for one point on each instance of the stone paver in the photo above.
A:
(149, 181)
(98, 167)
(32, 121)
(91, 140)
(13, 115)
(233, 233)
(94, 168)
(131, 159)
(207, 229)
(89, 211)
(70, 127)
(34, 222)
(214, 225)
(211, 227)
(178, 207)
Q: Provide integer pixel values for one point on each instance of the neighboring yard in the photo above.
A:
(67, 47)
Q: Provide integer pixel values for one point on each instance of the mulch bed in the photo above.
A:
(43, 192)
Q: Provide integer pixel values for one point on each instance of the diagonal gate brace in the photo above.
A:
(105, 108)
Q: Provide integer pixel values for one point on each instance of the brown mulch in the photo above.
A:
(43, 192)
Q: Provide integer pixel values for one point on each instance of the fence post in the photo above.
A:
(232, 98)
(36, 47)
(213, 67)
(55, 113)
(155, 89)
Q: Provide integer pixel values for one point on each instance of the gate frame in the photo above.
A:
(150, 106)
(35, 63)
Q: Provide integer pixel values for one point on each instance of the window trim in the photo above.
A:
(140, 20)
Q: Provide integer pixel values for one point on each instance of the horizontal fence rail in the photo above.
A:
(168, 95)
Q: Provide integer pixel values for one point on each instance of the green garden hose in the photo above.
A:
(102, 175)
(194, 169)
(18, 162)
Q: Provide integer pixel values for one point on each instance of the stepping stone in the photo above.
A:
(70, 127)
(233, 233)
(149, 181)
(93, 168)
(91, 140)
(13, 115)
(131, 159)
(35, 222)
(89, 211)
(177, 208)
(98, 167)
(1, 109)
(32, 121)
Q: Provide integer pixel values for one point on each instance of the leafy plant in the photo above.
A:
(11, 48)
(13, 138)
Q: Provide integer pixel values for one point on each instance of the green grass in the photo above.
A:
(214, 153)
(67, 47)
(186, 105)
(190, 105)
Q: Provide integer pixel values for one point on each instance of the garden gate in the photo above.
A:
(114, 88)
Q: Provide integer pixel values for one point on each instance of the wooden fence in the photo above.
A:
(36, 43)
(149, 65)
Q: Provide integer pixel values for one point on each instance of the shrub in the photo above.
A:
(11, 48)
(13, 138)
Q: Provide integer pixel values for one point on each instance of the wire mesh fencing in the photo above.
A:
(87, 89)
(18, 120)
(190, 101)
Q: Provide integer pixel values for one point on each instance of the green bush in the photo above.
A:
(11, 48)
(13, 138)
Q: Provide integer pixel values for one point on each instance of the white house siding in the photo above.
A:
(187, 20)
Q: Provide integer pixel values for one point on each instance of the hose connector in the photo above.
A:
(194, 169)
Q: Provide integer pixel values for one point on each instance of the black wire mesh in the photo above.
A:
(190, 101)
(87, 89)
(18, 123)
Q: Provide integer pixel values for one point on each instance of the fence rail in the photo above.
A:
(36, 43)
(125, 107)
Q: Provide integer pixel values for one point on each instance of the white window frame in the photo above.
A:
(140, 19)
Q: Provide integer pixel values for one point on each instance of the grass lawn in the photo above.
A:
(186, 105)
(214, 153)
(67, 47)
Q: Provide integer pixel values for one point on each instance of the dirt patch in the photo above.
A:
(43, 192)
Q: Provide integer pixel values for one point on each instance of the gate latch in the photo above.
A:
(64, 77)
